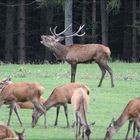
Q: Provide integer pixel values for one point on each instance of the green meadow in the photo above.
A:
(105, 102)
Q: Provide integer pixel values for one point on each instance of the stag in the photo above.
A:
(78, 53)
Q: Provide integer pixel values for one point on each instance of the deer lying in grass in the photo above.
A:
(60, 96)
(10, 93)
(132, 113)
(78, 53)
(6, 133)
(79, 101)
(29, 104)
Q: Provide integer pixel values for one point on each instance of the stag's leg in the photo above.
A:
(57, 113)
(106, 67)
(103, 74)
(129, 127)
(66, 114)
(15, 109)
(73, 72)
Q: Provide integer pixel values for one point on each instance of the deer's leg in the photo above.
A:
(134, 129)
(76, 125)
(15, 109)
(103, 74)
(66, 114)
(57, 113)
(12, 106)
(105, 66)
(41, 109)
(73, 72)
(129, 127)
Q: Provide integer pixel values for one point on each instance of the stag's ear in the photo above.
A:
(60, 39)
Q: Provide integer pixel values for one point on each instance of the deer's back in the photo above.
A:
(23, 90)
(66, 91)
(82, 53)
(133, 108)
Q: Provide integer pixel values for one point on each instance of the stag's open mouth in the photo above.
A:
(41, 42)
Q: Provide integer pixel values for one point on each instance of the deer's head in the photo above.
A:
(5, 82)
(53, 40)
(110, 130)
(35, 116)
(21, 135)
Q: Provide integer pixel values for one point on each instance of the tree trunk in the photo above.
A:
(127, 44)
(134, 33)
(46, 22)
(94, 20)
(68, 21)
(9, 37)
(21, 31)
(104, 22)
(83, 19)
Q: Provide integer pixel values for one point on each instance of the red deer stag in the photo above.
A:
(61, 95)
(6, 133)
(131, 113)
(78, 53)
(79, 101)
(10, 93)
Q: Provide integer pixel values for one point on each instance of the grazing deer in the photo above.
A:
(6, 133)
(60, 96)
(79, 101)
(10, 93)
(78, 53)
(29, 104)
(131, 113)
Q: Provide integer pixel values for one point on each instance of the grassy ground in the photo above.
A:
(105, 102)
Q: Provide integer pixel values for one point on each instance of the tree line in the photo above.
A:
(115, 23)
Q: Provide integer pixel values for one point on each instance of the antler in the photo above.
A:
(73, 34)
(58, 34)
(77, 33)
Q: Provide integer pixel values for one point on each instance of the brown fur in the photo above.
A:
(29, 104)
(80, 53)
(21, 92)
(61, 95)
(6, 133)
(131, 112)
(80, 101)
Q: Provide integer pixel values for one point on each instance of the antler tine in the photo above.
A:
(52, 31)
(63, 30)
(77, 33)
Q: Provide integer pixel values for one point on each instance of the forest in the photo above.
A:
(115, 23)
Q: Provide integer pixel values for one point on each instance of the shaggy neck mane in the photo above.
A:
(59, 51)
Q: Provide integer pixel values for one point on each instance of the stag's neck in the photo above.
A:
(60, 51)
(120, 121)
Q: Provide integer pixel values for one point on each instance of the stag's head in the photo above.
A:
(53, 40)
(35, 116)
(110, 130)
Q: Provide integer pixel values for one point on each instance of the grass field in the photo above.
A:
(105, 102)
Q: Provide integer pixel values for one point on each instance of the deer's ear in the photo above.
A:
(60, 39)
(112, 120)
